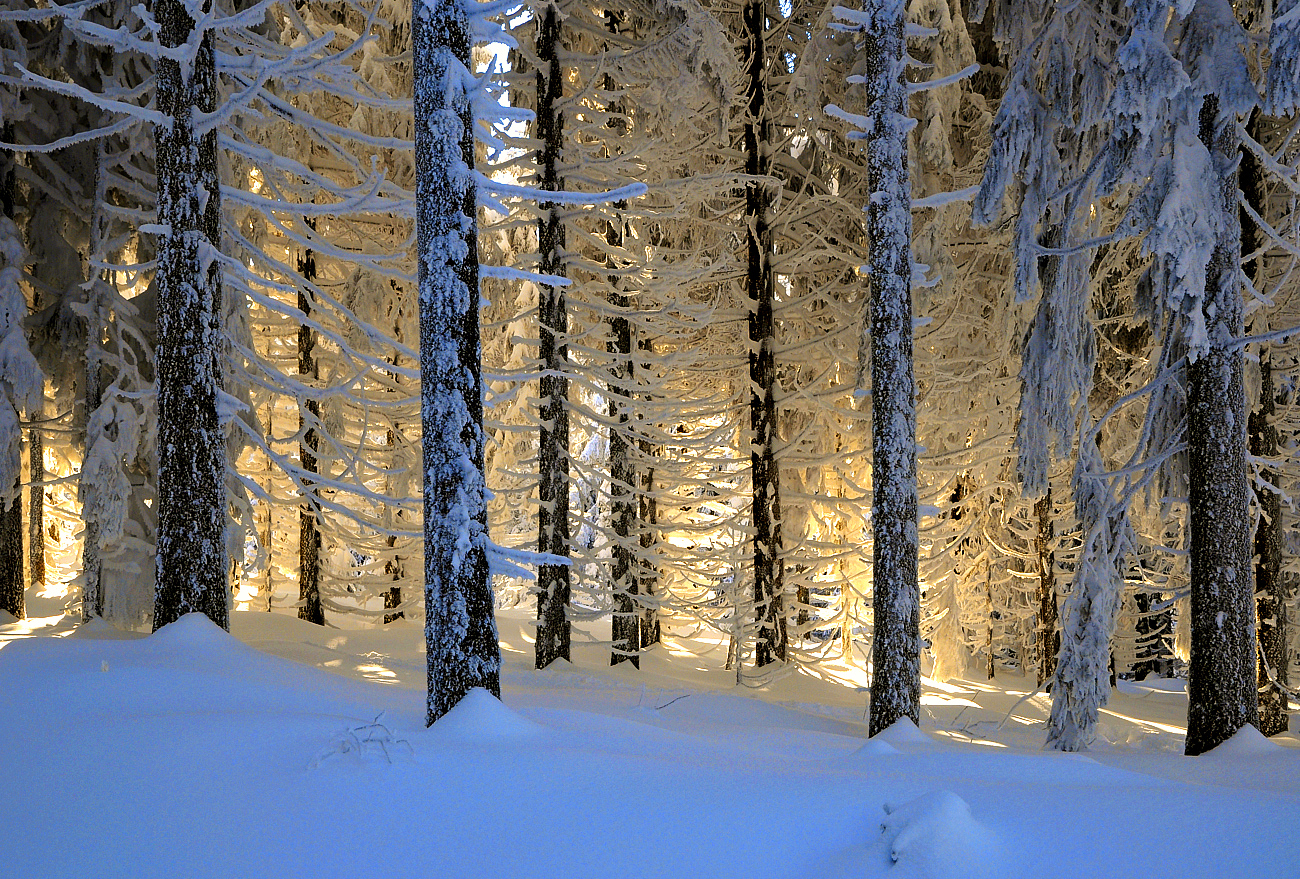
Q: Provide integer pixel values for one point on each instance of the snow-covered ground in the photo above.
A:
(293, 751)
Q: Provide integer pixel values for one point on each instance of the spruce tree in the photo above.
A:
(460, 630)
(192, 566)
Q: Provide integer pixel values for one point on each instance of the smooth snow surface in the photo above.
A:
(290, 750)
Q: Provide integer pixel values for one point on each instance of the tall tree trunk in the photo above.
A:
(553, 590)
(36, 506)
(648, 516)
(11, 514)
(192, 562)
(1270, 589)
(460, 629)
(1048, 634)
(769, 559)
(92, 566)
(896, 600)
(393, 568)
(309, 542)
(1222, 688)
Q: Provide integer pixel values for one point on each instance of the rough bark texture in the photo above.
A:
(770, 643)
(36, 507)
(1048, 634)
(648, 514)
(11, 515)
(11, 558)
(192, 564)
(92, 567)
(460, 629)
(1270, 588)
(394, 569)
(553, 589)
(895, 651)
(309, 542)
(1222, 695)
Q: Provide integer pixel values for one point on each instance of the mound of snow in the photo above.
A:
(935, 835)
(1246, 742)
(6, 618)
(905, 736)
(480, 716)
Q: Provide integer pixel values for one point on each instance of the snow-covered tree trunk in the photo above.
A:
(460, 629)
(553, 589)
(1222, 695)
(623, 476)
(1048, 635)
(92, 566)
(895, 645)
(309, 543)
(769, 561)
(192, 564)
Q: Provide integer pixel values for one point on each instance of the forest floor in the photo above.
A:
(289, 750)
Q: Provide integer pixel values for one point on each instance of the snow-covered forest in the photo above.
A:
(937, 341)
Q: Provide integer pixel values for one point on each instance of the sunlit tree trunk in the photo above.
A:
(460, 628)
(1048, 633)
(770, 645)
(553, 628)
(309, 541)
(895, 650)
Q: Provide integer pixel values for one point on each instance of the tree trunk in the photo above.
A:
(770, 645)
(1222, 689)
(460, 629)
(1270, 589)
(1048, 633)
(11, 514)
(648, 516)
(309, 542)
(895, 652)
(192, 562)
(92, 567)
(393, 568)
(36, 507)
(553, 627)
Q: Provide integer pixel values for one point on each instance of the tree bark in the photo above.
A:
(192, 562)
(460, 628)
(1222, 689)
(309, 540)
(36, 507)
(895, 652)
(769, 563)
(12, 584)
(554, 630)
(1048, 633)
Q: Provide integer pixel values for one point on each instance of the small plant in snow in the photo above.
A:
(361, 742)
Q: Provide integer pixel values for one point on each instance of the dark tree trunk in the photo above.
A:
(309, 514)
(1048, 634)
(393, 568)
(1270, 589)
(11, 515)
(11, 556)
(192, 562)
(92, 568)
(36, 507)
(770, 645)
(1222, 694)
(553, 589)
(460, 628)
(648, 516)
(896, 600)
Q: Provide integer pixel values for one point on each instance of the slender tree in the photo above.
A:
(553, 587)
(460, 630)
(895, 650)
(309, 537)
(769, 561)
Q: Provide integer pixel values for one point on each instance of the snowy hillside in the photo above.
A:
(289, 750)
